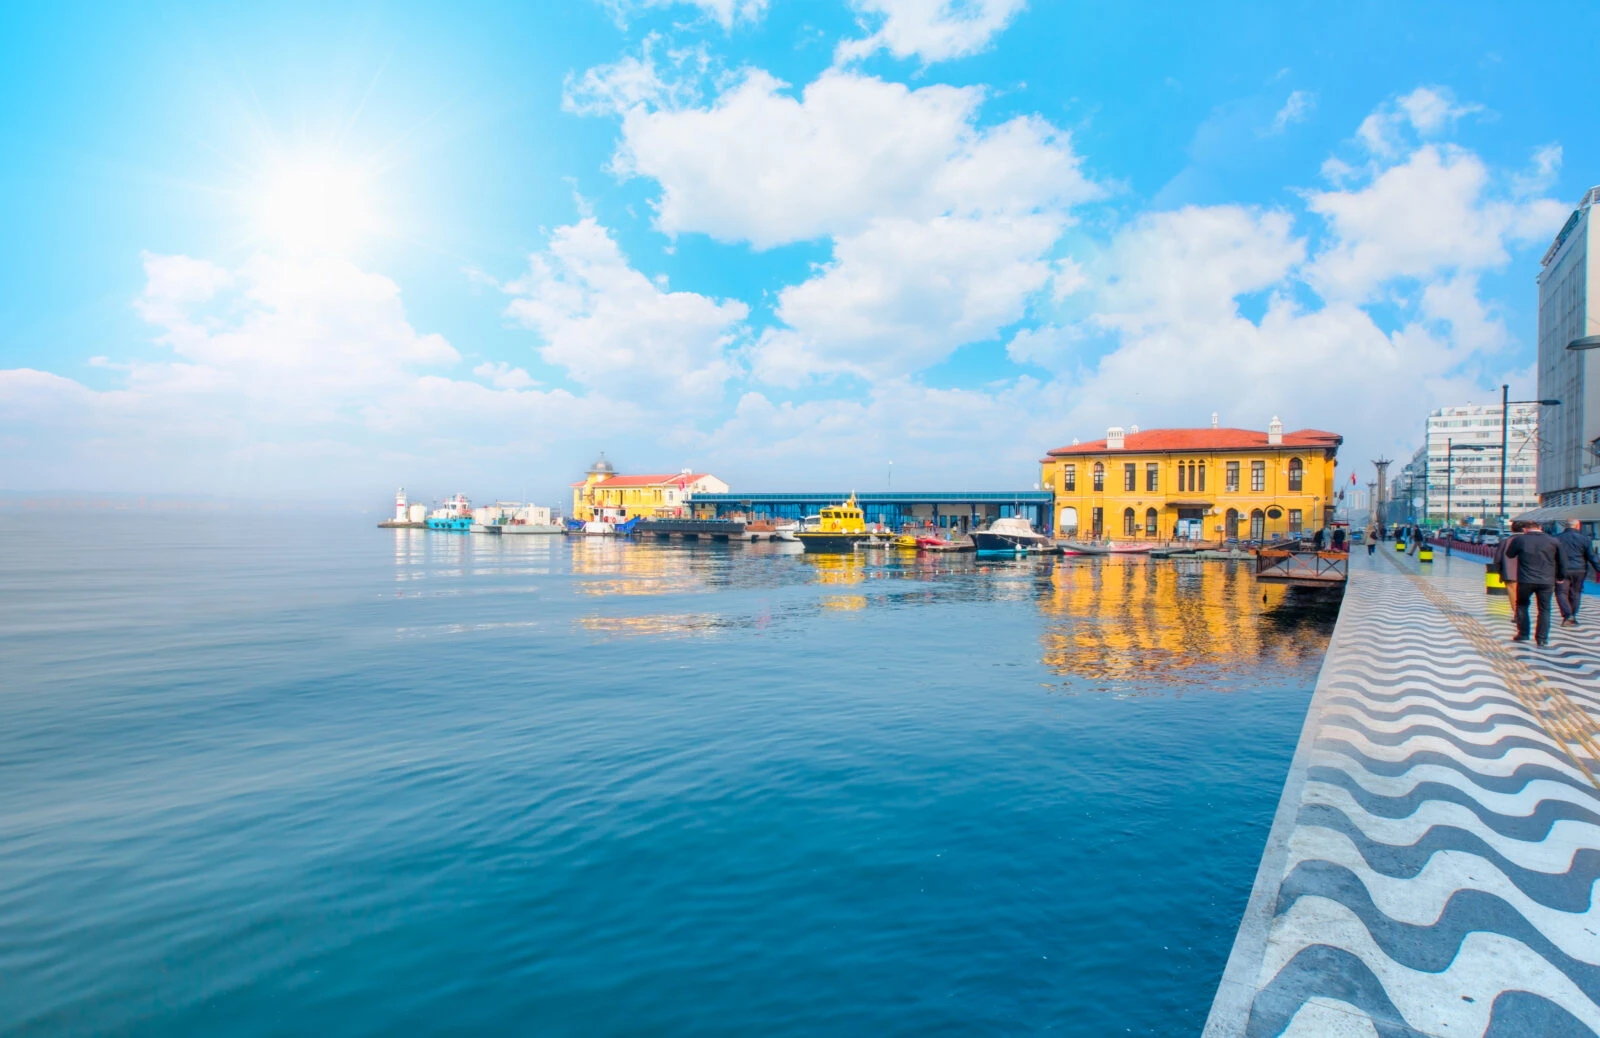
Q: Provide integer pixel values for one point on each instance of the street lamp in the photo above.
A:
(1505, 421)
(1588, 342)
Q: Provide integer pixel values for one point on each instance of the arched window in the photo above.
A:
(1297, 474)
(1128, 528)
(1150, 522)
(1231, 524)
(1099, 477)
(1202, 487)
(1258, 525)
(1069, 522)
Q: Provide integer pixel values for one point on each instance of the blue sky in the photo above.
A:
(332, 249)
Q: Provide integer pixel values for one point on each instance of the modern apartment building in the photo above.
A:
(1569, 474)
(1468, 487)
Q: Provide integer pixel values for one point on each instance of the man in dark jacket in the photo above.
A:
(1577, 558)
(1507, 568)
(1539, 570)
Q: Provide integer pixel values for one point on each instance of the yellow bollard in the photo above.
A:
(1492, 584)
(1425, 553)
(1399, 545)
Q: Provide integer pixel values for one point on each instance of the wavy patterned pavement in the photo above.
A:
(1431, 869)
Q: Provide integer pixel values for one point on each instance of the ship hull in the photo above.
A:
(831, 543)
(532, 528)
(1003, 544)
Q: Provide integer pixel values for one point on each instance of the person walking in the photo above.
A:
(1539, 570)
(1577, 557)
(1507, 567)
(1415, 537)
(1372, 538)
(1338, 539)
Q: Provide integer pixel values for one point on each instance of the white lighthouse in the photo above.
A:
(400, 505)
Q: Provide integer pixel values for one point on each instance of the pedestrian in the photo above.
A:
(1539, 570)
(1317, 541)
(1507, 567)
(1338, 539)
(1415, 537)
(1372, 538)
(1577, 557)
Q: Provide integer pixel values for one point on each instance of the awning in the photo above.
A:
(1557, 513)
(1191, 504)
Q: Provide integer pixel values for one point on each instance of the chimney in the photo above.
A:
(1132, 429)
(1213, 419)
(1275, 431)
(1114, 438)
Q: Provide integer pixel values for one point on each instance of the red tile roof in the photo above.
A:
(677, 479)
(1203, 440)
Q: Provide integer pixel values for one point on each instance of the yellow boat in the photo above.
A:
(839, 529)
(906, 542)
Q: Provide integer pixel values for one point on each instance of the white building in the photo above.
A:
(1470, 486)
(1570, 474)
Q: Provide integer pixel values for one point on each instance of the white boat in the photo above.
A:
(786, 531)
(1012, 535)
(514, 527)
(599, 528)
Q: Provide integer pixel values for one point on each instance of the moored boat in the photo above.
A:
(1105, 548)
(839, 529)
(1011, 535)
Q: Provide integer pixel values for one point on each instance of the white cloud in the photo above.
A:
(725, 13)
(1296, 109)
(501, 375)
(1432, 213)
(281, 374)
(931, 30)
(903, 294)
(1427, 110)
(1455, 303)
(761, 166)
(660, 76)
(617, 331)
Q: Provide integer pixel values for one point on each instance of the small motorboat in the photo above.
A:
(1105, 548)
(1011, 535)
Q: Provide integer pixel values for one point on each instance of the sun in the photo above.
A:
(315, 205)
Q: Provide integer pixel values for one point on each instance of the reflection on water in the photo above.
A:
(1118, 622)
(1126, 625)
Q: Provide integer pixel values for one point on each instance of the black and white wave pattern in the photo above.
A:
(1438, 870)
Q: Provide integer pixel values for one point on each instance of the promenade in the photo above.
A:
(1431, 867)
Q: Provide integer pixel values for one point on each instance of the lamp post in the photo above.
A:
(1505, 420)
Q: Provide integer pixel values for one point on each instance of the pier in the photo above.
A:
(1431, 867)
(962, 511)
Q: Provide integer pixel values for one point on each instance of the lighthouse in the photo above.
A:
(400, 505)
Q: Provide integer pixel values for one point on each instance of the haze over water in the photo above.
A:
(274, 776)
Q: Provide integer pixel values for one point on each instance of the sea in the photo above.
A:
(291, 774)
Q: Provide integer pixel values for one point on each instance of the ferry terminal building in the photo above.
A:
(1204, 484)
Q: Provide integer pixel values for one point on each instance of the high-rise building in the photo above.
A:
(1569, 473)
(1470, 487)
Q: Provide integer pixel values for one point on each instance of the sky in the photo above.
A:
(320, 251)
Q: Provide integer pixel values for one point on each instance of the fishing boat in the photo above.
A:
(839, 529)
(1011, 535)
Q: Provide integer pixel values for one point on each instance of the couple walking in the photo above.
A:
(1537, 567)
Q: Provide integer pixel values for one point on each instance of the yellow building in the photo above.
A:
(608, 496)
(1204, 484)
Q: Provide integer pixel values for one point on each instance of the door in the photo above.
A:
(1258, 525)
(1232, 524)
(1068, 527)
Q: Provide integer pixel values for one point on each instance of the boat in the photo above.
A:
(907, 542)
(786, 531)
(1105, 548)
(485, 527)
(839, 529)
(1011, 535)
(667, 527)
(520, 527)
(458, 523)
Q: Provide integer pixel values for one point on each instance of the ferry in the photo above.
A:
(1009, 536)
(456, 515)
(839, 529)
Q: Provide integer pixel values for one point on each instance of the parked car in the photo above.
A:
(1489, 537)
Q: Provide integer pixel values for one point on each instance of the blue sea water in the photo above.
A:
(271, 775)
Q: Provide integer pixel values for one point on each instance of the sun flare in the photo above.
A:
(315, 205)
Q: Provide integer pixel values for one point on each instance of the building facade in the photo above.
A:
(1468, 489)
(1204, 484)
(605, 495)
(1570, 473)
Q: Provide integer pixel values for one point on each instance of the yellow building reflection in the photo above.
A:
(836, 569)
(613, 566)
(1117, 620)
